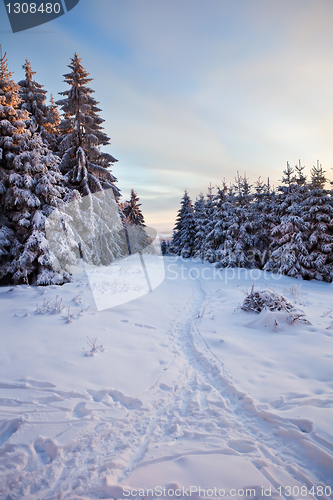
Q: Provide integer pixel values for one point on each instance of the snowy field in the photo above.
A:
(185, 391)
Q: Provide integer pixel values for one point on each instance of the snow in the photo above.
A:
(187, 390)
(125, 280)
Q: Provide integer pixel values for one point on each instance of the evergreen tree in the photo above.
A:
(289, 177)
(289, 249)
(33, 98)
(132, 211)
(164, 247)
(42, 118)
(87, 169)
(220, 221)
(262, 220)
(238, 245)
(318, 213)
(293, 191)
(85, 166)
(289, 254)
(184, 231)
(300, 177)
(51, 125)
(208, 251)
(200, 220)
(135, 224)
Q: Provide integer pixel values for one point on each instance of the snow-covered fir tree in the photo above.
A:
(164, 247)
(262, 220)
(134, 222)
(318, 213)
(33, 98)
(208, 251)
(87, 168)
(184, 230)
(289, 253)
(238, 244)
(132, 210)
(31, 187)
(288, 249)
(51, 125)
(42, 118)
(220, 222)
(200, 224)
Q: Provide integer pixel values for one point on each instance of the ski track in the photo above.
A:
(109, 434)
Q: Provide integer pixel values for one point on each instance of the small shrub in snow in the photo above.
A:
(93, 347)
(54, 307)
(69, 317)
(265, 299)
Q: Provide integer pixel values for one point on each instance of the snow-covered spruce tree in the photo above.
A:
(299, 175)
(293, 190)
(87, 168)
(184, 230)
(164, 247)
(208, 251)
(262, 219)
(200, 220)
(238, 245)
(12, 133)
(318, 213)
(135, 224)
(51, 125)
(33, 98)
(42, 118)
(31, 187)
(288, 250)
(132, 210)
(220, 222)
(289, 253)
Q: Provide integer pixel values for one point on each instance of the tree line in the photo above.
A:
(288, 230)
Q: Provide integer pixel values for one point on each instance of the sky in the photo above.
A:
(193, 91)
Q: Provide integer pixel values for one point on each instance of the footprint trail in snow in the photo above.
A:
(89, 444)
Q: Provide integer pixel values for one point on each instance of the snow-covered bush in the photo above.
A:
(266, 300)
(257, 301)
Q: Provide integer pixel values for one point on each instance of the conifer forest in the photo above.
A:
(286, 230)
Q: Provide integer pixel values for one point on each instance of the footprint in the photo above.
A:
(242, 446)
(145, 326)
(46, 449)
(304, 425)
(80, 410)
(36, 383)
(7, 429)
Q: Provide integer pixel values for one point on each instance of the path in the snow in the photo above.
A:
(193, 408)
(205, 408)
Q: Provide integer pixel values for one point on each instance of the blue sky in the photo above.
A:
(193, 90)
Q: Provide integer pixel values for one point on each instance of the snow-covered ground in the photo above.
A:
(185, 391)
